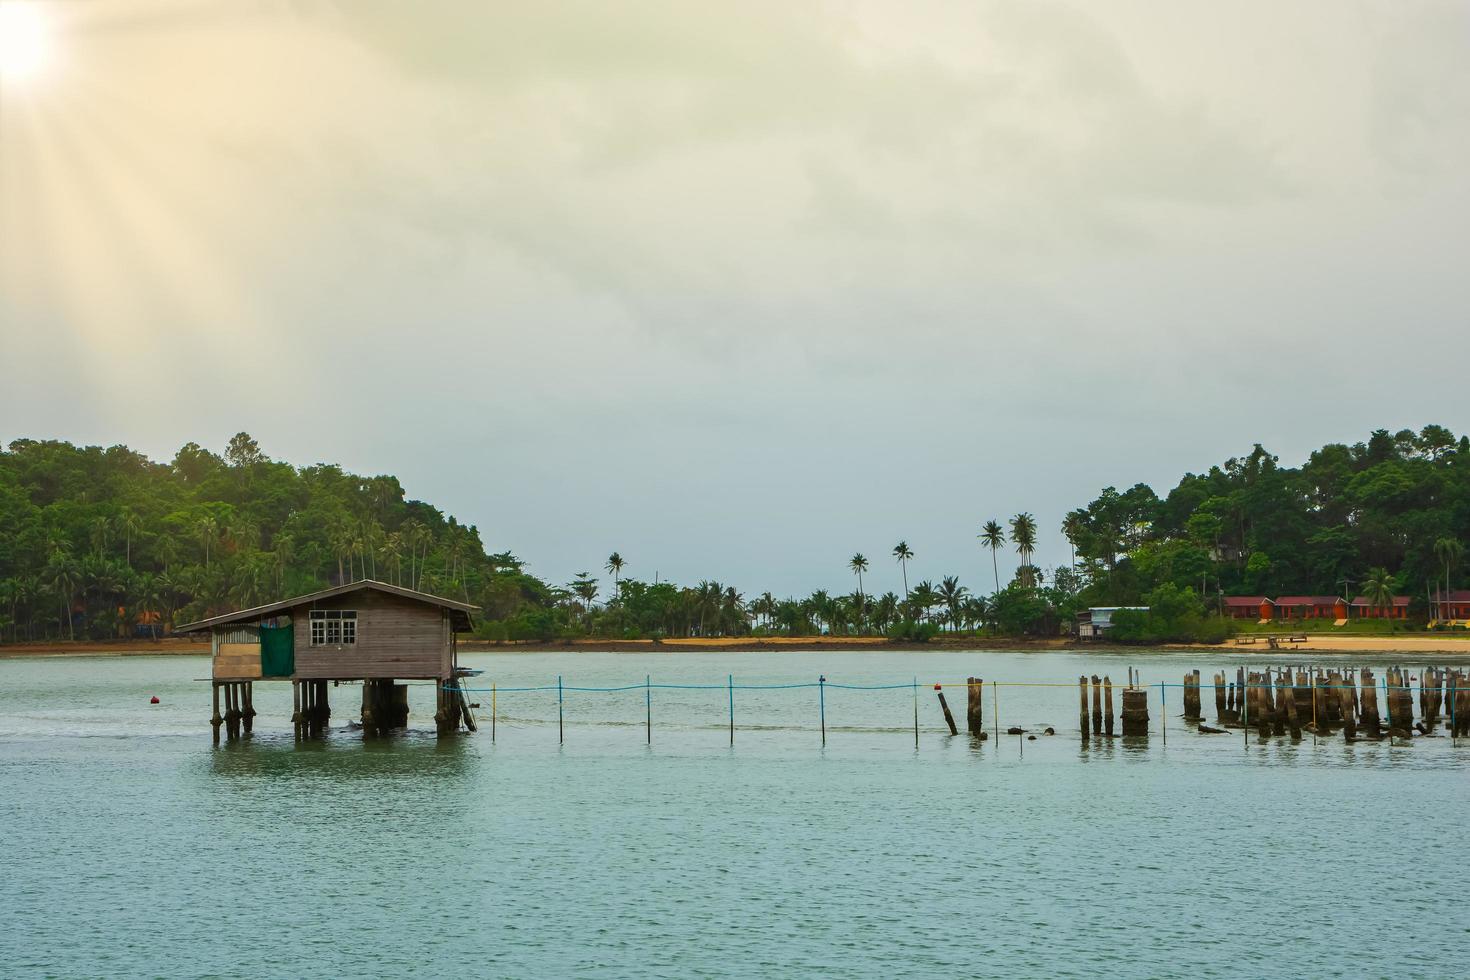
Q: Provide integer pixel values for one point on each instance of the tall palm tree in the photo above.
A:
(208, 529)
(585, 587)
(98, 531)
(858, 564)
(1378, 590)
(283, 549)
(130, 525)
(924, 598)
(1023, 536)
(952, 594)
(615, 566)
(993, 536)
(1449, 551)
(904, 555)
(63, 575)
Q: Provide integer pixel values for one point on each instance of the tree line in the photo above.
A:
(99, 543)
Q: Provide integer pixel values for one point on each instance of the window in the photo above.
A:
(333, 627)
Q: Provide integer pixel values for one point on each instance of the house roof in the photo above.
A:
(1245, 600)
(459, 611)
(1454, 595)
(1398, 600)
(1308, 600)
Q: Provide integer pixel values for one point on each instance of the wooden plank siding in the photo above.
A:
(236, 653)
(395, 638)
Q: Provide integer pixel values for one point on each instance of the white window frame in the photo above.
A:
(333, 627)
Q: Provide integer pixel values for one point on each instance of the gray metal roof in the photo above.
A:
(460, 611)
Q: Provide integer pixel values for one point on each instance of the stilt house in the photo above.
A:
(366, 631)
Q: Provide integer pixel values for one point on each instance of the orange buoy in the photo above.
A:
(153, 700)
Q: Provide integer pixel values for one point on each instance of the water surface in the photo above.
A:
(135, 847)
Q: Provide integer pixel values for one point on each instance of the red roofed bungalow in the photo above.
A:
(1364, 609)
(1454, 604)
(1311, 607)
(1247, 607)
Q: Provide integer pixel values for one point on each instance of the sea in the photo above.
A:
(717, 814)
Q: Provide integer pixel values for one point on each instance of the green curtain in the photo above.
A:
(277, 651)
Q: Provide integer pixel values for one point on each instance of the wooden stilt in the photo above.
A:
(1082, 697)
(1108, 705)
(249, 713)
(944, 706)
(1096, 705)
(216, 719)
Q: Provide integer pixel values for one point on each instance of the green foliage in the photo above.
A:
(1174, 615)
(908, 631)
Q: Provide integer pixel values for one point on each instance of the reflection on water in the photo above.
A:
(136, 847)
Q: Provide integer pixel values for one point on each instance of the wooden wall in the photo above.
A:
(236, 654)
(395, 638)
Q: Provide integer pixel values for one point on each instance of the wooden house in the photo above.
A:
(1398, 609)
(365, 631)
(1256, 607)
(1454, 604)
(1312, 607)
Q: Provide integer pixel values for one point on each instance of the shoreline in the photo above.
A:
(1423, 643)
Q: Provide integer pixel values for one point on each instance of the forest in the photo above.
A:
(102, 543)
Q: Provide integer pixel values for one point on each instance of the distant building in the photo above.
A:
(1311, 607)
(1363, 609)
(1093, 623)
(1255, 607)
(1454, 604)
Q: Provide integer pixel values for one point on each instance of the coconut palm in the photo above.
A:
(585, 587)
(993, 536)
(952, 594)
(63, 576)
(131, 525)
(902, 552)
(1072, 527)
(98, 531)
(1449, 552)
(858, 564)
(208, 530)
(924, 598)
(1378, 590)
(615, 566)
(1023, 536)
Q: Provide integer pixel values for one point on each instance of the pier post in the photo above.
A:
(1096, 705)
(1287, 696)
(1135, 712)
(975, 708)
(216, 718)
(944, 706)
(1220, 698)
(1108, 702)
(249, 715)
(1082, 696)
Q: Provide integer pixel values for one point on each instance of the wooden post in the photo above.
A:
(1277, 695)
(1288, 695)
(975, 711)
(1082, 696)
(1135, 712)
(1372, 721)
(1096, 705)
(1220, 698)
(1108, 700)
(1345, 699)
(249, 715)
(216, 719)
(295, 707)
(944, 706)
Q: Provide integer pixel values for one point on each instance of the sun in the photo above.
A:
(25, 40)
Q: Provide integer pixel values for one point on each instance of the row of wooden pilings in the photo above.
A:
(1100, 724)
(1280, 700)
(239, 713)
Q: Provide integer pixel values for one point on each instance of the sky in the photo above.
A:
(738, 290)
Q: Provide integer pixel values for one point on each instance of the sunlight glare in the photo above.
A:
(24, 40)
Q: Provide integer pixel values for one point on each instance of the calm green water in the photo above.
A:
(134, 847)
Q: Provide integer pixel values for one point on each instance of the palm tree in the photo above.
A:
(924, 598)
(858, 564)
(952, 594)
(615, 566)
(585, 587)
(904, 555)
(99, 528)
(130, 524)
(63, 576)
(208, 529)
(993, 536)
(1449, 551)
(283, 549)
(1023, 536)
(1378, 590)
